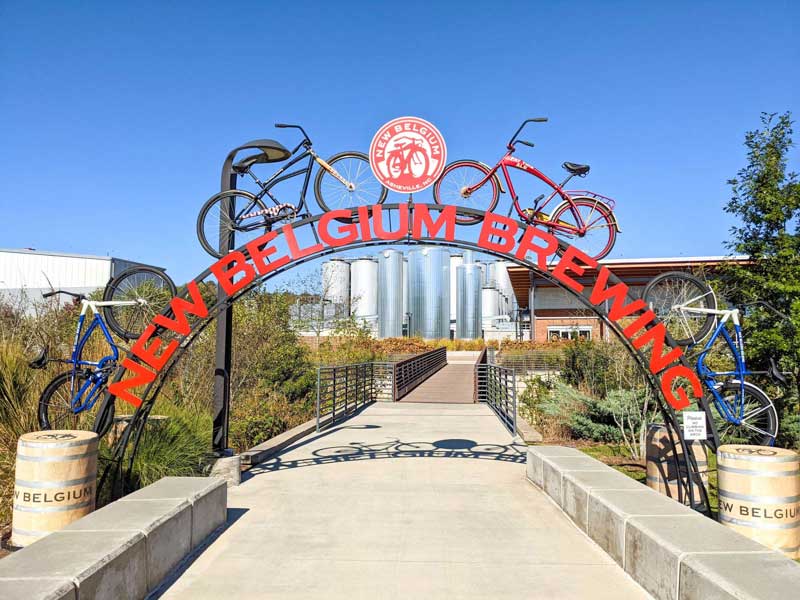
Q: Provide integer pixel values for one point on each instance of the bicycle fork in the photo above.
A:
(322, 163)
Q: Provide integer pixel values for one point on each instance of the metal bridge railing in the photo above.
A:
(343, 390)
(409, 373)
(497, 386)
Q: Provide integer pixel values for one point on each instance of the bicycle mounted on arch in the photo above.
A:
(581, 214)
(688, 308)
(344, 181)
(130, 300)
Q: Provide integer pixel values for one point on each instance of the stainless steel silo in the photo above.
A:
(364, 287)
(491, 274)
(336, 286)
(489, 304)
(469, 314)
(456, 260)
(429, 292)
(405, 290)
(469, 257)
(416, 290)
(390, 294)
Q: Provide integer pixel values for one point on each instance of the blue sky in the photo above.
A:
(115, 118)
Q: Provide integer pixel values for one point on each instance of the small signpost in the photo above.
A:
(694, 425)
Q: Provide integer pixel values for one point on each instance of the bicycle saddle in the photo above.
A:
(40, 360)
(575, 168)
(269, 151)
(775, 374)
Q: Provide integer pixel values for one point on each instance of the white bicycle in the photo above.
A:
(688, 308)
(130, 301)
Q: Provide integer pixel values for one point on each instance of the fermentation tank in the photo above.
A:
(405, 289)
(491, 274)
(505, 287)
(364, 287)
(468, 286)
(456, 260)
(489, 303)
(390, 294)
(429, 292)
(336, 285)
(468, 257)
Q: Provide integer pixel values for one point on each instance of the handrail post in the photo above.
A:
(319, 369)
(514, 396)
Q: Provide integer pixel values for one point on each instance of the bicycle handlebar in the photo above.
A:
(65, 292)
(772, 309)
(525, 122)
(290, 126)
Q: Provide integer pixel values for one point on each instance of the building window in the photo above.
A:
(566, 332)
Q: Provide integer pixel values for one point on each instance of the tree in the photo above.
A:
(766, 201)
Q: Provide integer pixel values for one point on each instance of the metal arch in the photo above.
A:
(688, 481)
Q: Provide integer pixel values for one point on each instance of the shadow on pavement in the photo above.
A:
(446, 448)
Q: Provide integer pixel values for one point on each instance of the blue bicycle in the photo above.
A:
(129, 302)
(688, 308)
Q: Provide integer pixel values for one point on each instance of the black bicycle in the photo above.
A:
(344, 181)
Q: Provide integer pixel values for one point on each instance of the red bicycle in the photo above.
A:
(580, 214)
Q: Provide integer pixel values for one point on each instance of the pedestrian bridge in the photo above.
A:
(428, 496)
(404, 500)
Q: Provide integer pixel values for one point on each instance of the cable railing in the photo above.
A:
(343, 390)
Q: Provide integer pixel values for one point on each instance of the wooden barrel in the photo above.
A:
(55, 482)
(665, 469)
(759, 494)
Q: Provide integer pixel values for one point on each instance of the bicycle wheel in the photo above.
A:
(247, 222)
(456, 178)
(362, 188)
(601, 229)
(418, 163)
(674, 288)
(55, 403)
(148, 288)
(759, 422)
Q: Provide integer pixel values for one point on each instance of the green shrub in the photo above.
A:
(261, 416)
(177, 446)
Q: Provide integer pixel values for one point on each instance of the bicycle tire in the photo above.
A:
(147, 283)
(425, 161)
(730, 433)
(608, 239)
(105, 415)
(374, 192)
(676, 287)
(55, 410)
(259, 224)
(462, 181)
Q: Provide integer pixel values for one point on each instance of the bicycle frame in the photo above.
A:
(281, 175)
(509, 160)
(711, 379)
(93, 385)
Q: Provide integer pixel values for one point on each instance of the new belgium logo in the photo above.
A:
(407, 154)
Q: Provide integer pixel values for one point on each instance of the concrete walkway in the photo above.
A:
(403, 501)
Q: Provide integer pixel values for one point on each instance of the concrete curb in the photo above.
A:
(272, 446)
(670, 550)
(121, 551)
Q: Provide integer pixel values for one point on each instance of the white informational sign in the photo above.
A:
(694, 425)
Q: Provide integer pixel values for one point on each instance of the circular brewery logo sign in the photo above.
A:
(407, 154)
